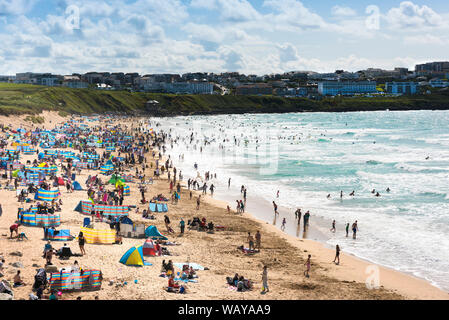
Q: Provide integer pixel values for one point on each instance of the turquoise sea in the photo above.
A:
(307, 156)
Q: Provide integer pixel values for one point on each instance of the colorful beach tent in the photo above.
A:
(149, 248)
(96, 236)
(70, 281)
(115, 178)
(153, 233)
(134, 257)
(59, 235)
(77, 186)
(46, 195)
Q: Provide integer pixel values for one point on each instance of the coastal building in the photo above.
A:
(438, 83)
(42, 79)
(189, 87)
(442, 66)
(74, 82)
(333, 88)
(254, 89)
(407, 88)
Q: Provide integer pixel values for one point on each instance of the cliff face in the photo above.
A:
(29, 99)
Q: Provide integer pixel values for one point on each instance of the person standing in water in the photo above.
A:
(337, 255)
(306, 219)
(333, 227)
(229, 183)
(277, 194)
(347, 229)
(354, 230)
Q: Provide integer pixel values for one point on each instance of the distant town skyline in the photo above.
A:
(246, 36)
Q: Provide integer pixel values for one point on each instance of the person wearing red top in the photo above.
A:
(14, 228)
(172, 283)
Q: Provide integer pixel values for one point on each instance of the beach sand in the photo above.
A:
(283, 254)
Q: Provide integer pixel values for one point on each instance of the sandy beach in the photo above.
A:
(284, 255)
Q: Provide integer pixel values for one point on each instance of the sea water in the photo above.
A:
(307, 156)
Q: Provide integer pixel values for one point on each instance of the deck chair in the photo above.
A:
(86, 222)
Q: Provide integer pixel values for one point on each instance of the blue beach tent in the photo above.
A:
(134, 257)
(153, 233)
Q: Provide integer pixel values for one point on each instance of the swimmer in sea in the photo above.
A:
(328, 196)
(352, 193)
(388, 190)
(377, 194)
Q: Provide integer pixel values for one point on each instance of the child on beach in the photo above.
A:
(265, 280)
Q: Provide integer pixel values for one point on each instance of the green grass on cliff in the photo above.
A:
(31, 99)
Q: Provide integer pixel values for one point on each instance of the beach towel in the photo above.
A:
(195, 266)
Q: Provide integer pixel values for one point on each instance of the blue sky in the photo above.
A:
(249, 36)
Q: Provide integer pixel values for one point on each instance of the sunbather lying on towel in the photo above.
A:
(246, 250)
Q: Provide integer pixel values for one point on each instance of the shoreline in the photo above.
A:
(402, 283)
(282, 252)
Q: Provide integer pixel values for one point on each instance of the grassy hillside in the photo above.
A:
(19, 99)
(30, 99)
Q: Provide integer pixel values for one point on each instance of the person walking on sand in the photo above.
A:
(81, 242)
(182, 225)
(250, 241)
(265, 280)
(333, 227)
(337, 254)
(275, 207)
(347, 229)
(307, 264)
(283, 224)
(198, 202)
(258, 240)
(354, 230)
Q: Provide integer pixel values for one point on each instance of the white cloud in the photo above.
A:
(410, 15)
(204, 4)
(15, 7)
(340, 11)
(428, 39)
(292, 15)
